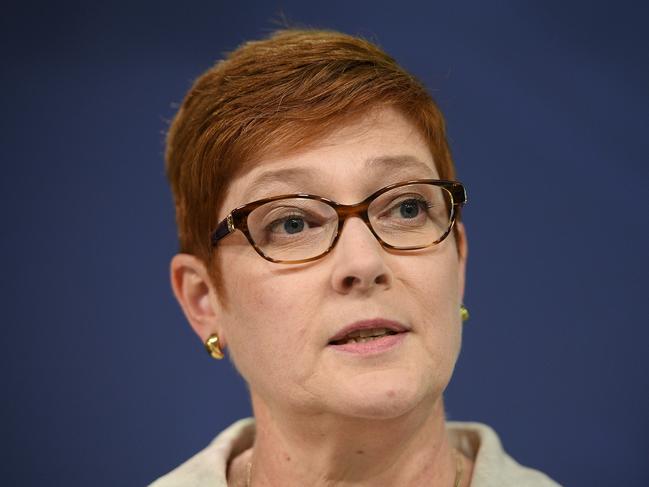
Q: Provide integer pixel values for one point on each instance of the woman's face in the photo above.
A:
(280, 318)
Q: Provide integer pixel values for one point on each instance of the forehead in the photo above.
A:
(379, 148)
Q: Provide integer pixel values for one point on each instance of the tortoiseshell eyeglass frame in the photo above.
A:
(238, 218)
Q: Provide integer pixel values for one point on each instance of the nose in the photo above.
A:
(359, 260)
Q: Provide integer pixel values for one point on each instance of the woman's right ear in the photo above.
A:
(194, 291)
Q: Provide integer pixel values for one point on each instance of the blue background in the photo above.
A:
(547, 104)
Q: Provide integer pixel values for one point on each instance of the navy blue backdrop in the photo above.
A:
(547, 104)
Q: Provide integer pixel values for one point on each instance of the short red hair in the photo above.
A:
(280, 94)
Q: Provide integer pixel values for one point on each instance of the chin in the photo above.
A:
(384, 397)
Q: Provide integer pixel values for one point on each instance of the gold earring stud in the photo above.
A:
(464, 313)
(213, 347)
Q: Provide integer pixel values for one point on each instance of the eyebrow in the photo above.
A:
(285, 177)
(401, 164)
(400, 167)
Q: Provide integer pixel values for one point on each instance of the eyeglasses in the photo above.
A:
(298, 228)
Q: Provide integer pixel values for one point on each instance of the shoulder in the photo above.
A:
(493, 467)
(208, 467)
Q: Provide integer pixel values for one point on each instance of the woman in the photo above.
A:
(321, 245)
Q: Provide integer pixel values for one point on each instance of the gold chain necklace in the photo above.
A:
(459, 469)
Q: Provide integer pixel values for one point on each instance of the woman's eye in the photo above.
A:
(410, 208)
(288, 225)
(293, 225)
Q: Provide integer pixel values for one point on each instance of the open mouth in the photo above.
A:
(362, 336)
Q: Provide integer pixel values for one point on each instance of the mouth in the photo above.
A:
(362, 336)
(369, 336)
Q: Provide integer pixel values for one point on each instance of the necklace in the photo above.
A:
(248, 473)
(459, 469)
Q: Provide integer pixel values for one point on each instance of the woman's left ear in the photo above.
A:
(196, 295)
(463, 252)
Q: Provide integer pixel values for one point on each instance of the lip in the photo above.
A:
(373, 346)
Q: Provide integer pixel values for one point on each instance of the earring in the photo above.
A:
(213, 348)
(464, 313)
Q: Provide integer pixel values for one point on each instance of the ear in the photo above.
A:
(197, 297)
(463, 252)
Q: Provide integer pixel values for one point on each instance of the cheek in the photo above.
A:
(434, 285)
(435, 300)
(267, 323)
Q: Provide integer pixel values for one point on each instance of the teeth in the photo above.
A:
(361, 336)
(374, 332)
(362, 339)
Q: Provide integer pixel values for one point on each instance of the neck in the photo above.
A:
(325, 449)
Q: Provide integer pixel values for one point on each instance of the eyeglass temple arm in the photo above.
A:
(226, 227)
